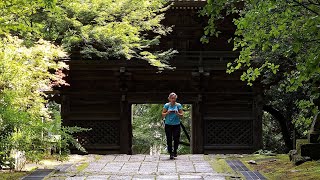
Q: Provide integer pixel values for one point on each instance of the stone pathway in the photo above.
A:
(138, 167)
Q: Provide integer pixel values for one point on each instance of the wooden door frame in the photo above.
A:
(196, 139)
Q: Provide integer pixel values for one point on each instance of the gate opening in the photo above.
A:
(148, 134)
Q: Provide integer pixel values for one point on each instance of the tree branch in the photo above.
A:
(306, 7)
(283, 125)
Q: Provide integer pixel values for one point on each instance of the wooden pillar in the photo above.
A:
(65, 109)
(125, 129)
(257, 122)
(125, 114)
(197, 128)
(197, 139)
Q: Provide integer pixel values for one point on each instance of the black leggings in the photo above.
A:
(172, 131)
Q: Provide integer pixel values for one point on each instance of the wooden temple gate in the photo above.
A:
(226, 113)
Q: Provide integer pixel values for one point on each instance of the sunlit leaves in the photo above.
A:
(109, 29)
(279, 44)
(102, 29)
(24, 76)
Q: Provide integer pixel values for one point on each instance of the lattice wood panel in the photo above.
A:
(103, 132)
(227, 132)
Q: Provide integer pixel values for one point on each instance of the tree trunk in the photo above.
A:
(286, 133)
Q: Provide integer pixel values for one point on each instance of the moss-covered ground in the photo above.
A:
(11, 175)
(272, 167)
(280, 167)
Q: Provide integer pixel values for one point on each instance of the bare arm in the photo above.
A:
(164, 112)
(180, 113)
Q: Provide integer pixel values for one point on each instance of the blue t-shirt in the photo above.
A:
(172, 118)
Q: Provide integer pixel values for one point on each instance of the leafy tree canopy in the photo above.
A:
(110, 29)
(23, 79)
(103, 29)
(34, 34)
(279, 44)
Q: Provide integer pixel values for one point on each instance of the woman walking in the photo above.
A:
(172, 112)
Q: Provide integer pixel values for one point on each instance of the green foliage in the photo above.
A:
(280, 167)
(60, 138)
(23, 78)
(6, 161)
(13, 175)
(272, 137)
(98, 29)
(279, 49)
(269, 32)
(108, 29)
(29, 66)
(148, 128)
(16, 16)
(26, 118)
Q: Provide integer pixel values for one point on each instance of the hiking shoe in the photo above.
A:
(175, 154)
(171, 156)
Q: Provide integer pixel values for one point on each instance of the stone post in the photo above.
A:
(314, 133)
(312, 148)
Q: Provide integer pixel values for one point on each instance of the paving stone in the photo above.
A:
(185, 163)
(185, 167)
(215, 177)
(73, 168)
(122, 157)
(144, 177)
(90, 158)
(140, 167)
(132, 164)
(98, 177)
(203, 170)
(190, 177)
(112, 167)
(117, 177)
(144, 163)
(165, 157)
(186, 170)
(138, 158)
(166, 164)
(108, 158)
(95, 167)
(166, 170)
(168, 167)
(55, 178)
(63, 167)
(148, 168)
(131, 167)
(165, 177)
(151, 158)
(76, 178)
(203, 167)
(182, 158)
(196, 157)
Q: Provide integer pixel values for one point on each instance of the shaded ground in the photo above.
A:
(280, 167)
(272, 167)
(7, 175)
(138, 167)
